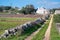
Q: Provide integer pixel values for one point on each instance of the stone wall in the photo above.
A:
(22, 28)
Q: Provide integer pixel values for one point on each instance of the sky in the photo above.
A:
(37, 3)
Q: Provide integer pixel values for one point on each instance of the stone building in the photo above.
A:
(43, 11)
(57, 11)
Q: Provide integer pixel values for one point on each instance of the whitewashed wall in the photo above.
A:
(57, 11)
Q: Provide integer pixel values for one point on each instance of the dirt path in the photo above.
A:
(33, 34)
(47, 34)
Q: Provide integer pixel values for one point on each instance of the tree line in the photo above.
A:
(28, 9)
(4, 8)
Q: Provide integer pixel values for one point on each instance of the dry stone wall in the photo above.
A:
(22, 28)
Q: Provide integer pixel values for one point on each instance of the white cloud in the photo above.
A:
(55, 3)
(48, 4)
(45, 2)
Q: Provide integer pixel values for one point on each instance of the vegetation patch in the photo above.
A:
(7, 23)
(24, 35)
(41, 33)
(54, 32)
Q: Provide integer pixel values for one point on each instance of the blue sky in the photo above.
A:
(36, 3)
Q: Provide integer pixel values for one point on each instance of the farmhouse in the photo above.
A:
(42, 10)
(57, 11)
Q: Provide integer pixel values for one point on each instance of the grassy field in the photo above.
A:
(6, 23)
(22, 37)
(54, 32)
(41, 33)
(3, 12)
(15, 19)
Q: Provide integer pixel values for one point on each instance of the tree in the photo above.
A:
(52, 10)
(7, 8)
(22, 10)
(4, 8)
(28, 9)
(1, 10)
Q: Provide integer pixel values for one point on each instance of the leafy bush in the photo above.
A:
(57, 18)
(54, 32)
(41, 33)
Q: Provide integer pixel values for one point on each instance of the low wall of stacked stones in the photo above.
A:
(23, 28)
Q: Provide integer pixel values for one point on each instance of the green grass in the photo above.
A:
(54, 32)
(6, 23)
(23, 36)
(41, 33)
(15, 19)
(4, 12)
(57, 18)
